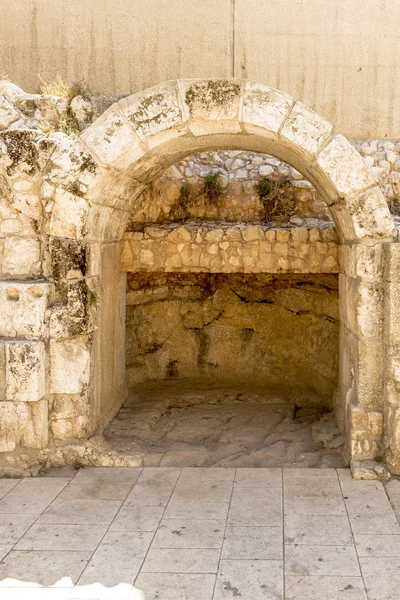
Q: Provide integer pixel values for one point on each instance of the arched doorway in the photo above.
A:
(102, 174)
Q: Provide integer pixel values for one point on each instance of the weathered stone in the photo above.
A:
(306, 129)
(8, 114)
(345, 167)
(153, 111)
(369, 469)
(68, 218)
(113, 140)
(23, 424)
(22, 309)
(69, 365)
(21, 257)
(24, 366)
(265, 107)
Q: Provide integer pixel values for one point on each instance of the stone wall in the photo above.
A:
(238, 176)
(274, 331)
(65, 203)
(219, 247)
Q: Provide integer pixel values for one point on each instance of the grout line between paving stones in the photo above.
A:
(223, 537)
(161, 518)
(36, 517)
(352, 535)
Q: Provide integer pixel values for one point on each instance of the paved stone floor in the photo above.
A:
(199, 534)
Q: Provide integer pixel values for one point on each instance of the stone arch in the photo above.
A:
(98, 178)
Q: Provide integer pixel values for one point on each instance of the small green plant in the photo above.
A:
(185, 195)
(212, 188)
(265, 187)
(278, 199)
(181, 207)
(92, 298)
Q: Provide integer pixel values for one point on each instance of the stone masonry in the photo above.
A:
(66, 201)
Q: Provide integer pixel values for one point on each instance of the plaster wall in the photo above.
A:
(338, 57)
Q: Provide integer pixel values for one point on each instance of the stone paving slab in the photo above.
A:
(199, 534)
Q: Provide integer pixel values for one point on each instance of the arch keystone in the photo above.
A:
(212, 105)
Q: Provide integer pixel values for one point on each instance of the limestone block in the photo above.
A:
(215, 235)
(19, 153)
(368, 367)
(252, 233)
(21, 256)
(375, 423)
(106, 223)
(22, 309)
(359, 260)
(211, 105)
(71, 166)
(282, 235)
(299, 234)
(392, 262)
(69, 365)
(369, 470)
(233, 235)
(392, 312)
(8, 113)
(69, 258)
(29, 204)
(370, 215)
(68, 218)
(364, 305)
(82, 110)
(306, 129)
(270, 235)
(23, 371)
(264, 107)
(46, 108)
(69, 416)
(23, 424)
(179, 235)
(153, 111)
(363, 448)
(112, 139)
(345, 166)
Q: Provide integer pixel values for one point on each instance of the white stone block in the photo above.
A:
(24, 371)
(21, 256)
(345, 166)
(212, 106)
(8, 114)
(306, 129)
(112, 139)
(22, 309)
(69, 215)
(153, 111)
(265, 107)
(69, 365)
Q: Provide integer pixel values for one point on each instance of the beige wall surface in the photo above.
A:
(339, 56)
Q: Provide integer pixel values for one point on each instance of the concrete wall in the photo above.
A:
(338, 56)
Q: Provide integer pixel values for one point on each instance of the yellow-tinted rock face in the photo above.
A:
(260, 329)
